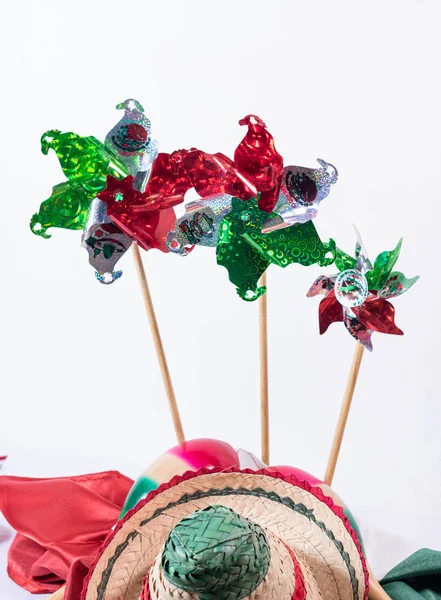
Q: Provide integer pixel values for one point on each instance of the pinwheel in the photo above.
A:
(358, 295)
(124, 191)
(253, 209)
(273, 227)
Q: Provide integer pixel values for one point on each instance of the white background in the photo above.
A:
(353, 82)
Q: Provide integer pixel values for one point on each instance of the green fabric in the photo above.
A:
(417, 577)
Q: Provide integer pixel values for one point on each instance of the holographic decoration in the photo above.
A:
(358, 295)
(302, 190)
(86, 163)
(351, 288)
(131, 140)
(127, 208)
(395, 285)
(246, 252)
(252, 209)
(321, 286)
(383, 265)
(211, 174)
(67, 208)
(259, 161)
(83, 158)
(200, 224)
(105, 243)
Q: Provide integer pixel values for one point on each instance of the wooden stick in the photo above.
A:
(344, 412)
(148, 303)
(376, 592)
(264, 399)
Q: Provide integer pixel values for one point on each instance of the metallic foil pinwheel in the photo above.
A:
(253, 209)
(358, 295)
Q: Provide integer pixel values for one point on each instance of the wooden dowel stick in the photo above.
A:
(376, 592)
(148, 303)
(344, 412)
(264, 399)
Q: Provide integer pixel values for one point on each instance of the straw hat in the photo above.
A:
(228, 535)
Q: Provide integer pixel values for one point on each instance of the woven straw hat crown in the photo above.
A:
(215, 550)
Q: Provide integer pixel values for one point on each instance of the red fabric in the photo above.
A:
(61, 524)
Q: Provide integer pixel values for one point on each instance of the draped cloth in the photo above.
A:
(416, 578)
(61, 524)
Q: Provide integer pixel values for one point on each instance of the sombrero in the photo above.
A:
(231, 534)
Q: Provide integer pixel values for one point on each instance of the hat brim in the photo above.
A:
(306, 520)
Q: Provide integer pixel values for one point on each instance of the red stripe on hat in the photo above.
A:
(145, 594)
(299, 587)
